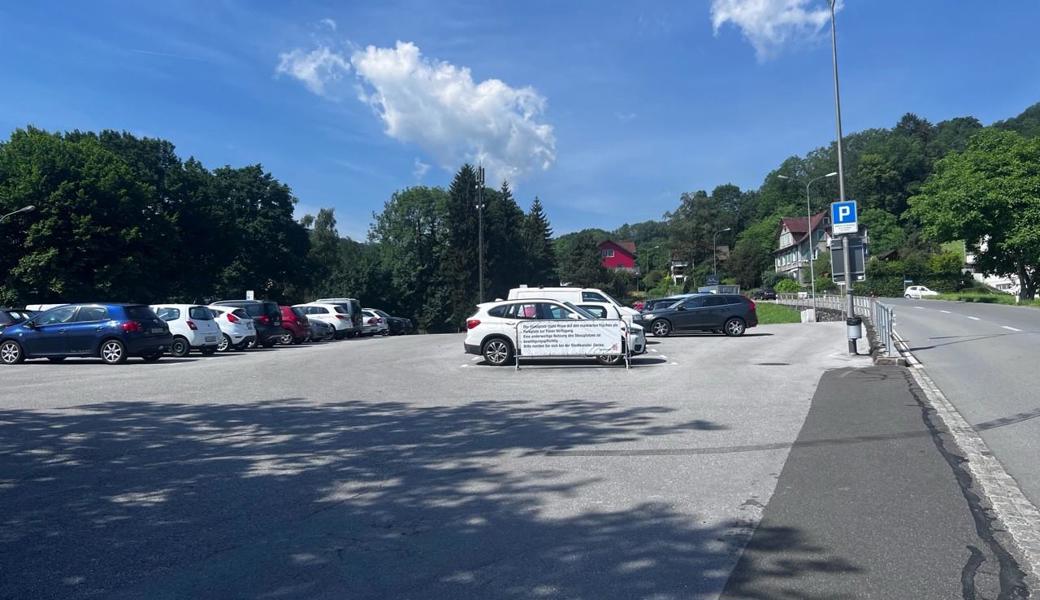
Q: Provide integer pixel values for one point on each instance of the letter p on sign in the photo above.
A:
(843, 218)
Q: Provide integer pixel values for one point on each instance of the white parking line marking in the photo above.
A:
(946, 311)
(674, 364)
(919, 307)
(975, 318)
(653, 349)
(1010, 328)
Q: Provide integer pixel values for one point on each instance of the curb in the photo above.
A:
(1012, 510)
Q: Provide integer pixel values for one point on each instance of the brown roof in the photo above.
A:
(626, 245)
(798, 229)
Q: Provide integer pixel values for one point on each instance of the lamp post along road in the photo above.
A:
(808, 226)
(849, 308)
(480, 231)
(21, 210)
(714, 253)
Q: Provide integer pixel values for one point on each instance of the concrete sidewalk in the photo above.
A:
(875, 485)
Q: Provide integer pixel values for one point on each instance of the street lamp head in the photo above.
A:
(834, 174)
(726, 229)
(782, 177)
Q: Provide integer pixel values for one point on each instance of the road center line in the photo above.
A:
(1010, 328)
(975, 318)
(946, 311)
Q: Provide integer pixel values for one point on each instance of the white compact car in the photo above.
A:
(192, 326)
(331, 314)
(919, 291)
(491, 332)
(236, 327)
(373, 324)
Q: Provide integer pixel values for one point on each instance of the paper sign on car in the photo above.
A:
(569, 337)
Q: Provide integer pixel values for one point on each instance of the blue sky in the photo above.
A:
(607, 111)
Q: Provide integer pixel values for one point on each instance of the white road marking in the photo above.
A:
(653, 349)
(674, 364)
(946, 311)
(919, 307)
(975, 318)
(1010, 328)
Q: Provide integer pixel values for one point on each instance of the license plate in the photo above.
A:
(211, 338)
(157, 329)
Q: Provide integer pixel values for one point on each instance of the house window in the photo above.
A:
(607, 252)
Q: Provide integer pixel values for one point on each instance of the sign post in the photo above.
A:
(845, 222)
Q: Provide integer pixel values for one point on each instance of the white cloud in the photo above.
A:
(440, 108)
(330, 23)
(770, 24)
(316, 69)
(420, 169)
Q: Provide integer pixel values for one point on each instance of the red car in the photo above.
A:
(297, 327)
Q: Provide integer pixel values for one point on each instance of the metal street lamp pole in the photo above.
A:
(714, 253)
(23, 209)
(849, 307)
(480, 230)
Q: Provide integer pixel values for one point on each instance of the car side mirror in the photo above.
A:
(681, 307)
(30, 324)
(573, 316)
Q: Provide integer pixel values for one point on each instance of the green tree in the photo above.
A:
(538, 247)
(583, 265)
(989, 196)
(884, 230)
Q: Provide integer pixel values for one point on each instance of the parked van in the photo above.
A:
(592, 300)
(353, 308)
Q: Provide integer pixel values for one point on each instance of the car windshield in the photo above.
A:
(581, 311)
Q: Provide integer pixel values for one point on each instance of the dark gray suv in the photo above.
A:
(727, 313)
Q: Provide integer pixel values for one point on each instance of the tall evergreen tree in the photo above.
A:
(503, 243)
(538, 247)
(459, 268)
(583, 265)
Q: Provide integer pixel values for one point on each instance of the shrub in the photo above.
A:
(787, 286)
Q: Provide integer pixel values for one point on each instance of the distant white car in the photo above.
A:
(236, 327)
(332, 314)
(491, 332)
(192, 326)
(919, 291)
(373, 324)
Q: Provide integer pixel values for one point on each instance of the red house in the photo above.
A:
(618, 255)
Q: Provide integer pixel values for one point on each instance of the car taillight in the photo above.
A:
(371, 321)
(232, 318)
(192, 326)
(342, 317)
(264, 319)
(752, 303)
(471, 323)
(132, 327)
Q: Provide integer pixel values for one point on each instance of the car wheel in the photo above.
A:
(113, 352)
(609, 360)
(386, 332)
(55, 359)
(497, 352)
(180, 347)
(907, 296)
(225, 343)
(286, 339)
(150, 358)
(11, 353)
(735, 327)
(661, 328)
(208, 351)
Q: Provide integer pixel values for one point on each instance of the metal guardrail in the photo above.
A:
(881, 316)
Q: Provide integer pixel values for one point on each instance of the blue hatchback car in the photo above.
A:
(111, 332)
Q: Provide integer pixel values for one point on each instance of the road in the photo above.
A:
(403, 468)
(986, 360)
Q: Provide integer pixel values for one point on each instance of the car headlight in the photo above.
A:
(648, 316)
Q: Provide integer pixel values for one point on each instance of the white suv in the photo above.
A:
(918, 292)
(236, 327)
(192, 326)
(331, 314)
(491, 332)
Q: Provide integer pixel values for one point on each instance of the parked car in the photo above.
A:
(729, 313)
(267, 319)
(373, 324)
(764, 294)
(11, 316)
(919, 291)
(395, 325)
(321, 331)
(192, 326)
(335, 315)
(111, 332)
(491, 331)
(353, 309)
(297, 327)
(658, 303)
(237, 330)
(583, 297)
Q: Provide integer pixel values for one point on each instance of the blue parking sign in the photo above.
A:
(844, 217)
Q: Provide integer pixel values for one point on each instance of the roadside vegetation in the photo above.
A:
(773, 314)
(986, 298)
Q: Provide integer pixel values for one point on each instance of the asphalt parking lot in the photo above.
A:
(399, 467)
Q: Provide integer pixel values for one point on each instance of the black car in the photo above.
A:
(267, 318)
(728, 313)
(661, 303)
(397, 325)
(764, 294)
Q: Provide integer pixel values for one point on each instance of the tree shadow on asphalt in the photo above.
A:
(354, 499)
